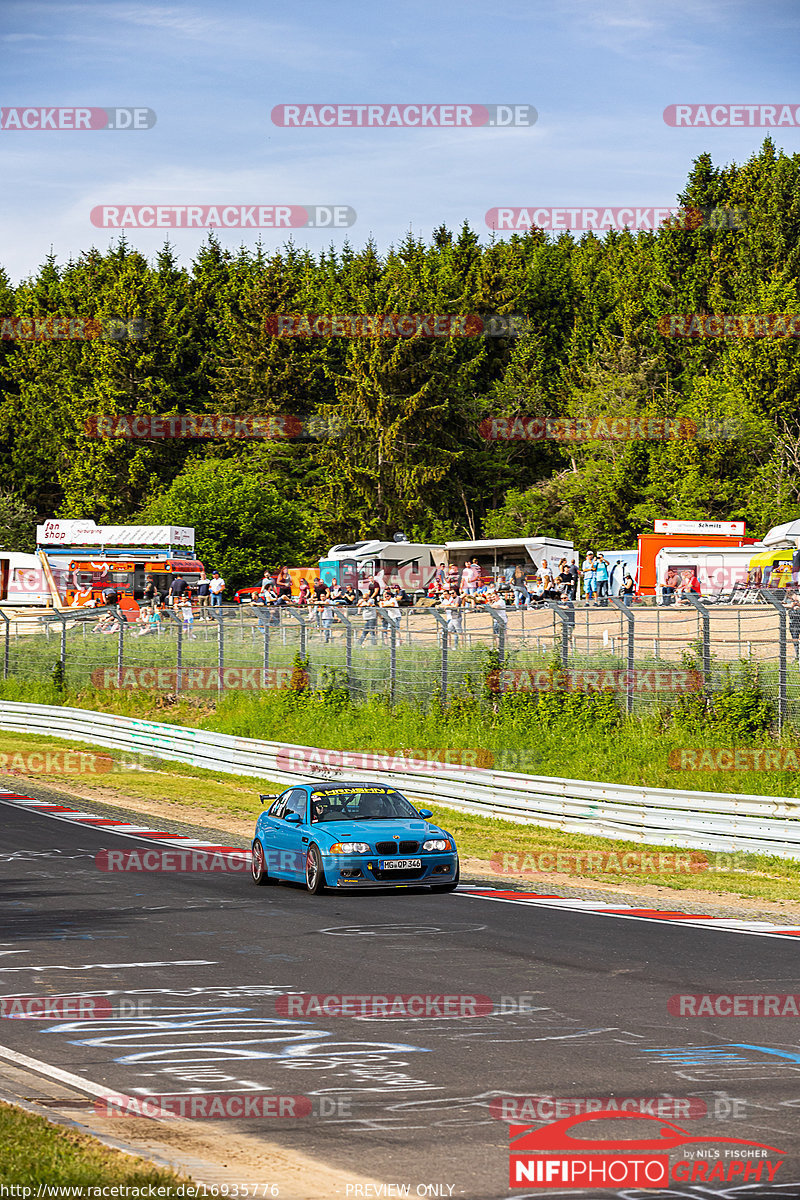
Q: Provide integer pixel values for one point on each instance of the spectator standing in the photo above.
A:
(601, 581)
(186, 612)
(496, 601)
(564, 580)
(150, 591)
(520, 587)
(176, 590)
(574, 575)
(451, 603)
(589, 584)
(327, 613)
(283, 584)
(369, 608)
(216, 587)
(391, 612)
(203, 596)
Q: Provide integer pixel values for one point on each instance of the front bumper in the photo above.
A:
(363, 871)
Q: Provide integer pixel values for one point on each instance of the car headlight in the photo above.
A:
(349, 848)
(436, 844)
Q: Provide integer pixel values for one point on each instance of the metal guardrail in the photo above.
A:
(658, 816)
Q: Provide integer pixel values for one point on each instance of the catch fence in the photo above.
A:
(646, 654)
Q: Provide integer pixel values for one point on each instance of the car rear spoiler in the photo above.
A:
(263, 798)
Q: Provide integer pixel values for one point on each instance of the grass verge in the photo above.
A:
(34, 1153)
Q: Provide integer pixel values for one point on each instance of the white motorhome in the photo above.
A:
(718, 568)
(22, 581)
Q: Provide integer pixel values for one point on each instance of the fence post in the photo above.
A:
(440, 620)
(120, 654)
(6, 644)
(178, 658)
(63, 658)
(566, 612)
(782, 697)
(626, 612)
(303, 624)
(348, 633)
(220, 649)
(704, 613)
(392, 660)
(266, 653)
(499, 622)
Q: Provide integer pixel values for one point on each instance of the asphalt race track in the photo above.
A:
(580, 1010)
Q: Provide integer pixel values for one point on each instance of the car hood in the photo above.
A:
(378, 831)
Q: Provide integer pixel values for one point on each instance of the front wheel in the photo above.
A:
(258, 865)
(448, 887)
(315, 874)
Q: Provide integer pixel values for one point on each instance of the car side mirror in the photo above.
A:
(425, 812)
(263, 798)
(293, 818)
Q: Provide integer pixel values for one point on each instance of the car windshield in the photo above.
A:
(360, 804)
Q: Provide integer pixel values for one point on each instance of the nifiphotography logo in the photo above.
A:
(563, 1155)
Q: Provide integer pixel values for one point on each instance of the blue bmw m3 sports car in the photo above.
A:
(351, 835)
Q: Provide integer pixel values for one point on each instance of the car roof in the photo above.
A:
(349, 783)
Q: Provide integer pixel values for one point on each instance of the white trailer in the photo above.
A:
(718, 568)
(22, 581)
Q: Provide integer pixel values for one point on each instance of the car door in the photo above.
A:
(268, 832)
(292, 839)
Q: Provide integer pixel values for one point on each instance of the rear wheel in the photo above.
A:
(447, 887)
(315, 874)
(258, 865)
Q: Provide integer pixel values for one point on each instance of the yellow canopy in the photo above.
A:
(768, 558)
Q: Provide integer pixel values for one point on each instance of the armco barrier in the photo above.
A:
(658, 816)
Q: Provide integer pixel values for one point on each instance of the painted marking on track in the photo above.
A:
(140, 833)
(631, 913)
(51, 1072)
(186, 962)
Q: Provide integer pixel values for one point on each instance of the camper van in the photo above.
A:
(22, 581)
(412, 565)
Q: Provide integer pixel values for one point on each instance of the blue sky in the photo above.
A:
(599, 73)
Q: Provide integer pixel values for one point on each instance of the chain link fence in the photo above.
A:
(647, 655)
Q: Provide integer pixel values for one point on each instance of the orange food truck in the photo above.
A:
(85, 560)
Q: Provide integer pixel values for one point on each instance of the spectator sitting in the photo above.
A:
(304, 593)
(350, 598)
(107, 623)
(671, 583)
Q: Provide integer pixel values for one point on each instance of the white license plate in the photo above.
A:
(400, 864)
